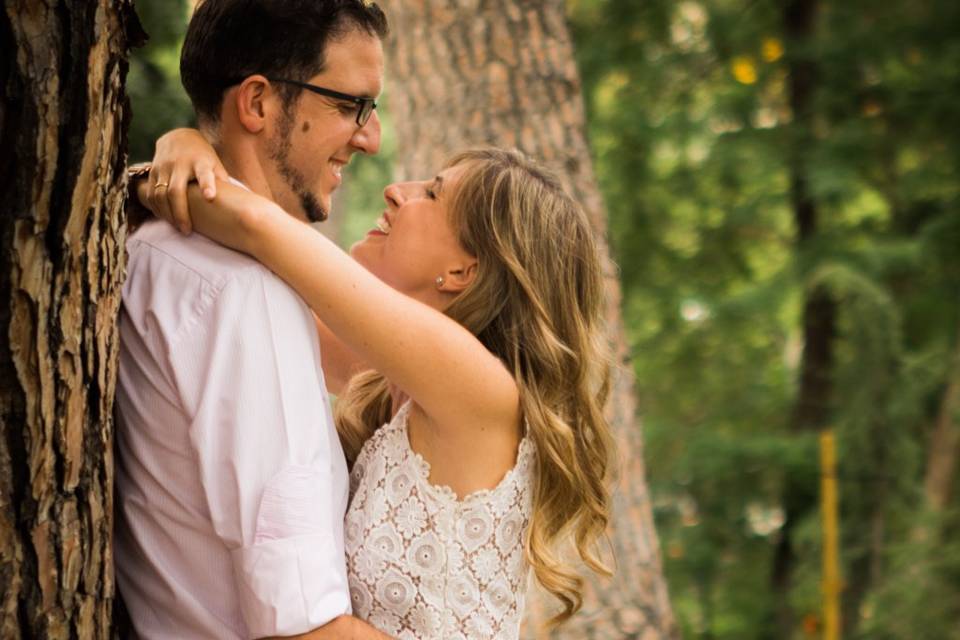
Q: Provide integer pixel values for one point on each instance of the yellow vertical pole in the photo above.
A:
(831, 547)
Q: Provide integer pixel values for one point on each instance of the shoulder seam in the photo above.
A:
(153, 247)
(213, 292)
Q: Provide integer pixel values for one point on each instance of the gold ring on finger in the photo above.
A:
(161, 185)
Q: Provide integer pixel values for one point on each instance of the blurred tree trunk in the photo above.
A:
(503, 73)
(944, 444)
(812, 406)
(63, 133)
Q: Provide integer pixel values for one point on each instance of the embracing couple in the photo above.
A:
(462, 337)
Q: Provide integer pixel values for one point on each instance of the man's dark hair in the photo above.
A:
(228, 40)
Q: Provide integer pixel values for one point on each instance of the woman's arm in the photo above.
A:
(437, 362)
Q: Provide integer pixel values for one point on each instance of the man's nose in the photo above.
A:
(367, 138)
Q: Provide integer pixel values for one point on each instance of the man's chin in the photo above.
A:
(317, 216)
(314, 209)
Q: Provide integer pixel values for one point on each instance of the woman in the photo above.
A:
(477, 303)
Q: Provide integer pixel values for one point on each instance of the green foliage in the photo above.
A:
(157, 99)
(919, 603)
(692, 134)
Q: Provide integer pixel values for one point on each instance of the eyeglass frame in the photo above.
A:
(329, 93)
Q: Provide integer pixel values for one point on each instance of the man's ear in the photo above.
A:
(254, 99)
(460, 277)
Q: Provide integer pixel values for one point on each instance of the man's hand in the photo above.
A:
(341, 628)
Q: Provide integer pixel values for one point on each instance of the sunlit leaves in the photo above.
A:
(772, 49)
(744, 69)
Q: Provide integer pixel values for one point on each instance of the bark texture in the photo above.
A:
(63, 135)
(502, 72)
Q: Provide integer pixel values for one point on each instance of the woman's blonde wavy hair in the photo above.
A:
(537, 304)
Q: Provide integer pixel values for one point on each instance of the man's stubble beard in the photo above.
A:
(279, 152)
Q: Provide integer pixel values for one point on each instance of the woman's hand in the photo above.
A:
(235, 217)
(181, 156)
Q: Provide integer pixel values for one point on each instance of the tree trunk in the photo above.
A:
(502, 72)
(812, 408)
(942, 453)
(944, 442)
(63, 117)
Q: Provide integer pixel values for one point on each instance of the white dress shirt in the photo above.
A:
(231, 483)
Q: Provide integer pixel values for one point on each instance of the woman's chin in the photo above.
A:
(360, 254)
(357, 252)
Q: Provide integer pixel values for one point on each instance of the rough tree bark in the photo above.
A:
(502, 72)
(812, 406)
(63, 135)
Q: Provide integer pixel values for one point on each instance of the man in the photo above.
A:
(231, 481)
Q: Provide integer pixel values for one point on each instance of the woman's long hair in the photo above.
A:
(537, 304)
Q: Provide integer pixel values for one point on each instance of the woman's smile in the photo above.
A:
(383, 223)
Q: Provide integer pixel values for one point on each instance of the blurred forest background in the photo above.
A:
(773, 180)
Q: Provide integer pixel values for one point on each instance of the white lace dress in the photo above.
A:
(423, 564)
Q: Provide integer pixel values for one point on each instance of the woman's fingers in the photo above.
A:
(162, 183)
(207, 176)
(159, 203)
(177, 201)
(153, 179)
(167, 197)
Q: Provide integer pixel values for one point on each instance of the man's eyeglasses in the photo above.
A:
(365, 106)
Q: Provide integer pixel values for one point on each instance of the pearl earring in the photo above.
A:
(439, 281)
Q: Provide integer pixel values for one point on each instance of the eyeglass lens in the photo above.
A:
(366, 109)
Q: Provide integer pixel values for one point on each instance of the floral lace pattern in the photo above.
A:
(423, 563)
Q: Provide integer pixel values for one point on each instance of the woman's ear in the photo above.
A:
(252, 99)
(461, 277)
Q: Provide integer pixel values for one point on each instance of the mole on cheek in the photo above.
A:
(306, 126)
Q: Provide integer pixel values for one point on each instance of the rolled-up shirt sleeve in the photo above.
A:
(268, 455)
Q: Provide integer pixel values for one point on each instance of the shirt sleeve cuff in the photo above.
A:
(290, 586)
